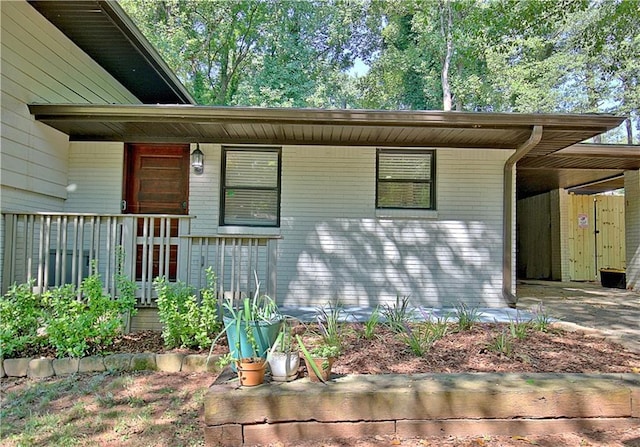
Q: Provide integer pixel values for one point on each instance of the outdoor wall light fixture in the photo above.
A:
(197, 160)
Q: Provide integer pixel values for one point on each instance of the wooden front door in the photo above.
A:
(156, 181)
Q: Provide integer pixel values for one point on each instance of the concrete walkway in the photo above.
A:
(613, 312)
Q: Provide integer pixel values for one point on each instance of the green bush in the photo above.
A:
(58, 318)
(21, 315)
(77, 327)
(187, 322)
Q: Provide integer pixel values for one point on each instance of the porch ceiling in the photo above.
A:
(545, 167)
(583, 168)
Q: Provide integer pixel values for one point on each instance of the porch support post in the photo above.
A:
(508, 215)
(8, 255)
(632, 227)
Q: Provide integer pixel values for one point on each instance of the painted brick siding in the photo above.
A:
(334, 247)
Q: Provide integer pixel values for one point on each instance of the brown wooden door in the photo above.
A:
(157, 179)
(156, 182)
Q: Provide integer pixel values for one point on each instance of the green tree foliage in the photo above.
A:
(503, 55)
(285, 53)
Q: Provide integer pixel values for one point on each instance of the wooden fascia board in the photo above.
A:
(204, 114)
(599, 151)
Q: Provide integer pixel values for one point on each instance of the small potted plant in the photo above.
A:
(251, 326)
(319, 360)
(284, 357)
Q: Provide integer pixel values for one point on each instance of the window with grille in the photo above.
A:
(250, 187)
(405, 179)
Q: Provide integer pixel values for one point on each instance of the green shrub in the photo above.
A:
(77, 327)
(187, 322)
(58, 318)
(21, 315)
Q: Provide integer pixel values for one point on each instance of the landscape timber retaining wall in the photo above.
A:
(40, 368)
(419, 405)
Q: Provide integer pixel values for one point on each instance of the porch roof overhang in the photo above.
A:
(581, 168)
(106, 33)
(546, 166)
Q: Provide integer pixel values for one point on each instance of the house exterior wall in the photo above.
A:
(334, 245)
(632, 220)
(41, 65)
(559, 235)
(542, 236)
(95, 177)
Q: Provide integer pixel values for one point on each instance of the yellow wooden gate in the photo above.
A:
(596, 235)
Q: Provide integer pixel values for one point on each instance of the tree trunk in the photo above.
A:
(446, 32)
(629, 127)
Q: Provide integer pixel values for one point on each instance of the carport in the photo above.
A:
(578, 169)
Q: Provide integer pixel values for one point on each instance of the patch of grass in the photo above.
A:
(502, 344)
(369, 330)
(106, 400)
(467, 316)
(397, 316)
(135, 402)
(105, 408)
(166, 390)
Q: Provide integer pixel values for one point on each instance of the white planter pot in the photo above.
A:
(283, 365)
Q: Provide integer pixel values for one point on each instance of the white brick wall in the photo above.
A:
(334, 247)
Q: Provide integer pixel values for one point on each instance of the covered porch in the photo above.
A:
(53, 249)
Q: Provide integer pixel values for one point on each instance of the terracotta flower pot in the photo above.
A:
(251, 371)
(324, 365)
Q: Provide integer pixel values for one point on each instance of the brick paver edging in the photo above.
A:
(419, 405)
(40, 368)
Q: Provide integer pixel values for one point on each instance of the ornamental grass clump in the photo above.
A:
(421, 336)
(467, 317)
(396, 316)
(329, 323)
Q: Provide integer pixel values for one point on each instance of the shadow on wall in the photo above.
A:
(369, 262)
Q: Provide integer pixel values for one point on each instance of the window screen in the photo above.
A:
(251, 187)
(405, 179)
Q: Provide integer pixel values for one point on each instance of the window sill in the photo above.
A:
(406, 214)
(248, 231)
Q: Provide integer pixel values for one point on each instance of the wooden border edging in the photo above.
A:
(419, 405)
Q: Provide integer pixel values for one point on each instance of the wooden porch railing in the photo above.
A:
(53, 249)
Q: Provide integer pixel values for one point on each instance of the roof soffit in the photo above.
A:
(105, 32)
(318, 127)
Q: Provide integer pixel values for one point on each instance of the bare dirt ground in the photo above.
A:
(165, 409)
